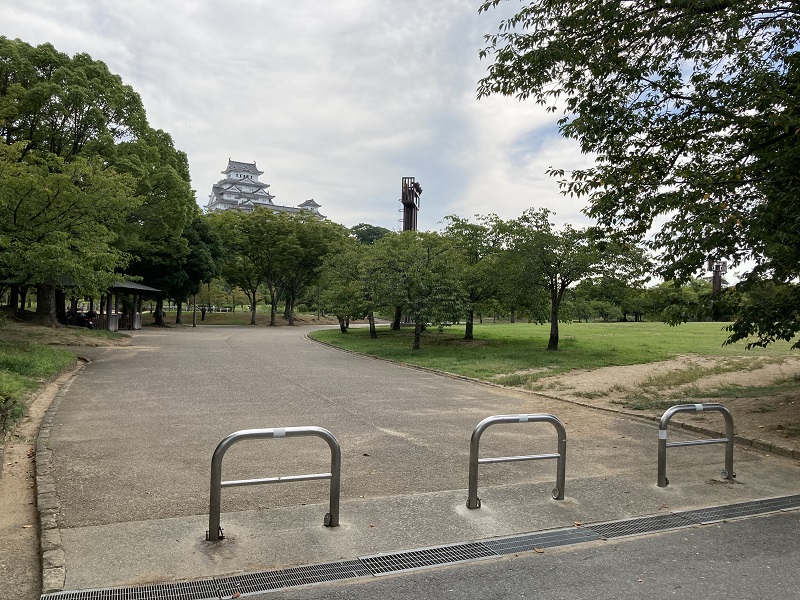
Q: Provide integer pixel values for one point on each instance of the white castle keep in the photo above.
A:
(242, 190)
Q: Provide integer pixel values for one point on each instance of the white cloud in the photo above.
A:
(335, 101)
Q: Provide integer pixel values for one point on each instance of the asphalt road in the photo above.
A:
(738, 560)
(132, 438)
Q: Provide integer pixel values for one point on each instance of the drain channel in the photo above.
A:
(412, 560)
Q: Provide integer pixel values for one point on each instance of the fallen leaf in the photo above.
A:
(577, 523)
(664, 506)
(236, 595)
(538, 550)
(27, 526)
(372, 524)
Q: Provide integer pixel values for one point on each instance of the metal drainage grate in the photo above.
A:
(742, 509)
(640, 526)
(273, 580)
(545, 539)
(381, 564)
(720, 513)
(784, 503)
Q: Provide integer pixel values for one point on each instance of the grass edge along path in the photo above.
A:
(516, 355)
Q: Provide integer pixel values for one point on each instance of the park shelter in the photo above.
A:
(122, 308)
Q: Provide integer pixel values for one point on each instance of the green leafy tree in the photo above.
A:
(73, 114)
(416, 271)
(679, 302)
(368, 234)
(691, 110)
(59, 221)
(541, 256)
(242, 264)
(342, 279)
(477, 246)
(308, 240)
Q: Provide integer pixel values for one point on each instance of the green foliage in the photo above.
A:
(769, 312)
(691, 110)
(307, 241)
(477, 248)
(540, 256)
(419, 273)
(368, 234)
(243, 262)
(60, 219)
(345, 286)
(86, 186)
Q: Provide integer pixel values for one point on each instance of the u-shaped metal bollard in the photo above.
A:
(663, 444)
(558, 493)
(214, 532)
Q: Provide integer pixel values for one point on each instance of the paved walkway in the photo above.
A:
(125, 460)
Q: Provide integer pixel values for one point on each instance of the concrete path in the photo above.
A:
(128, 447)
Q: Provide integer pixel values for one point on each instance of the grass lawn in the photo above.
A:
(518, 350)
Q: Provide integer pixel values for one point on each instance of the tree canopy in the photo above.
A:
(90, 192)
(691, 110)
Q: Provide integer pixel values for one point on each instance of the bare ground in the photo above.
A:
(20, 567)
(772, 413)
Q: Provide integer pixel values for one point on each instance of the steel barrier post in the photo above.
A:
(214, 532)
(558, 493)
(727, 473)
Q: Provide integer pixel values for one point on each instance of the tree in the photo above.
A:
(691, 110)
(76, 118)
(243, 257)
(477, 245)
(58, 223)
(308, 241)
(368, 234)
(415, 271)
(342, 277)
(541, 256)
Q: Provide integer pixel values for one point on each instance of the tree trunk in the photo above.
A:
(371, 318)
(253, 308)
(13, 299)
(159, 316)
(417, 334)
(179, 313)
(46, 305)
(555, 302)
(61, 309)
(342, 323)
(469, 325)
(398, 314)
(513, 315)
(290, 308)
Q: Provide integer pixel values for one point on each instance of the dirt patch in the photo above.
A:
(762, 394)
(20, 565)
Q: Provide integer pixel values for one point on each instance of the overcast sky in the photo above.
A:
(335, 100)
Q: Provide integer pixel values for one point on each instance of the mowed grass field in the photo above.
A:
(508, 348)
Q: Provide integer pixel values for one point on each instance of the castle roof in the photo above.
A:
(242, 167)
